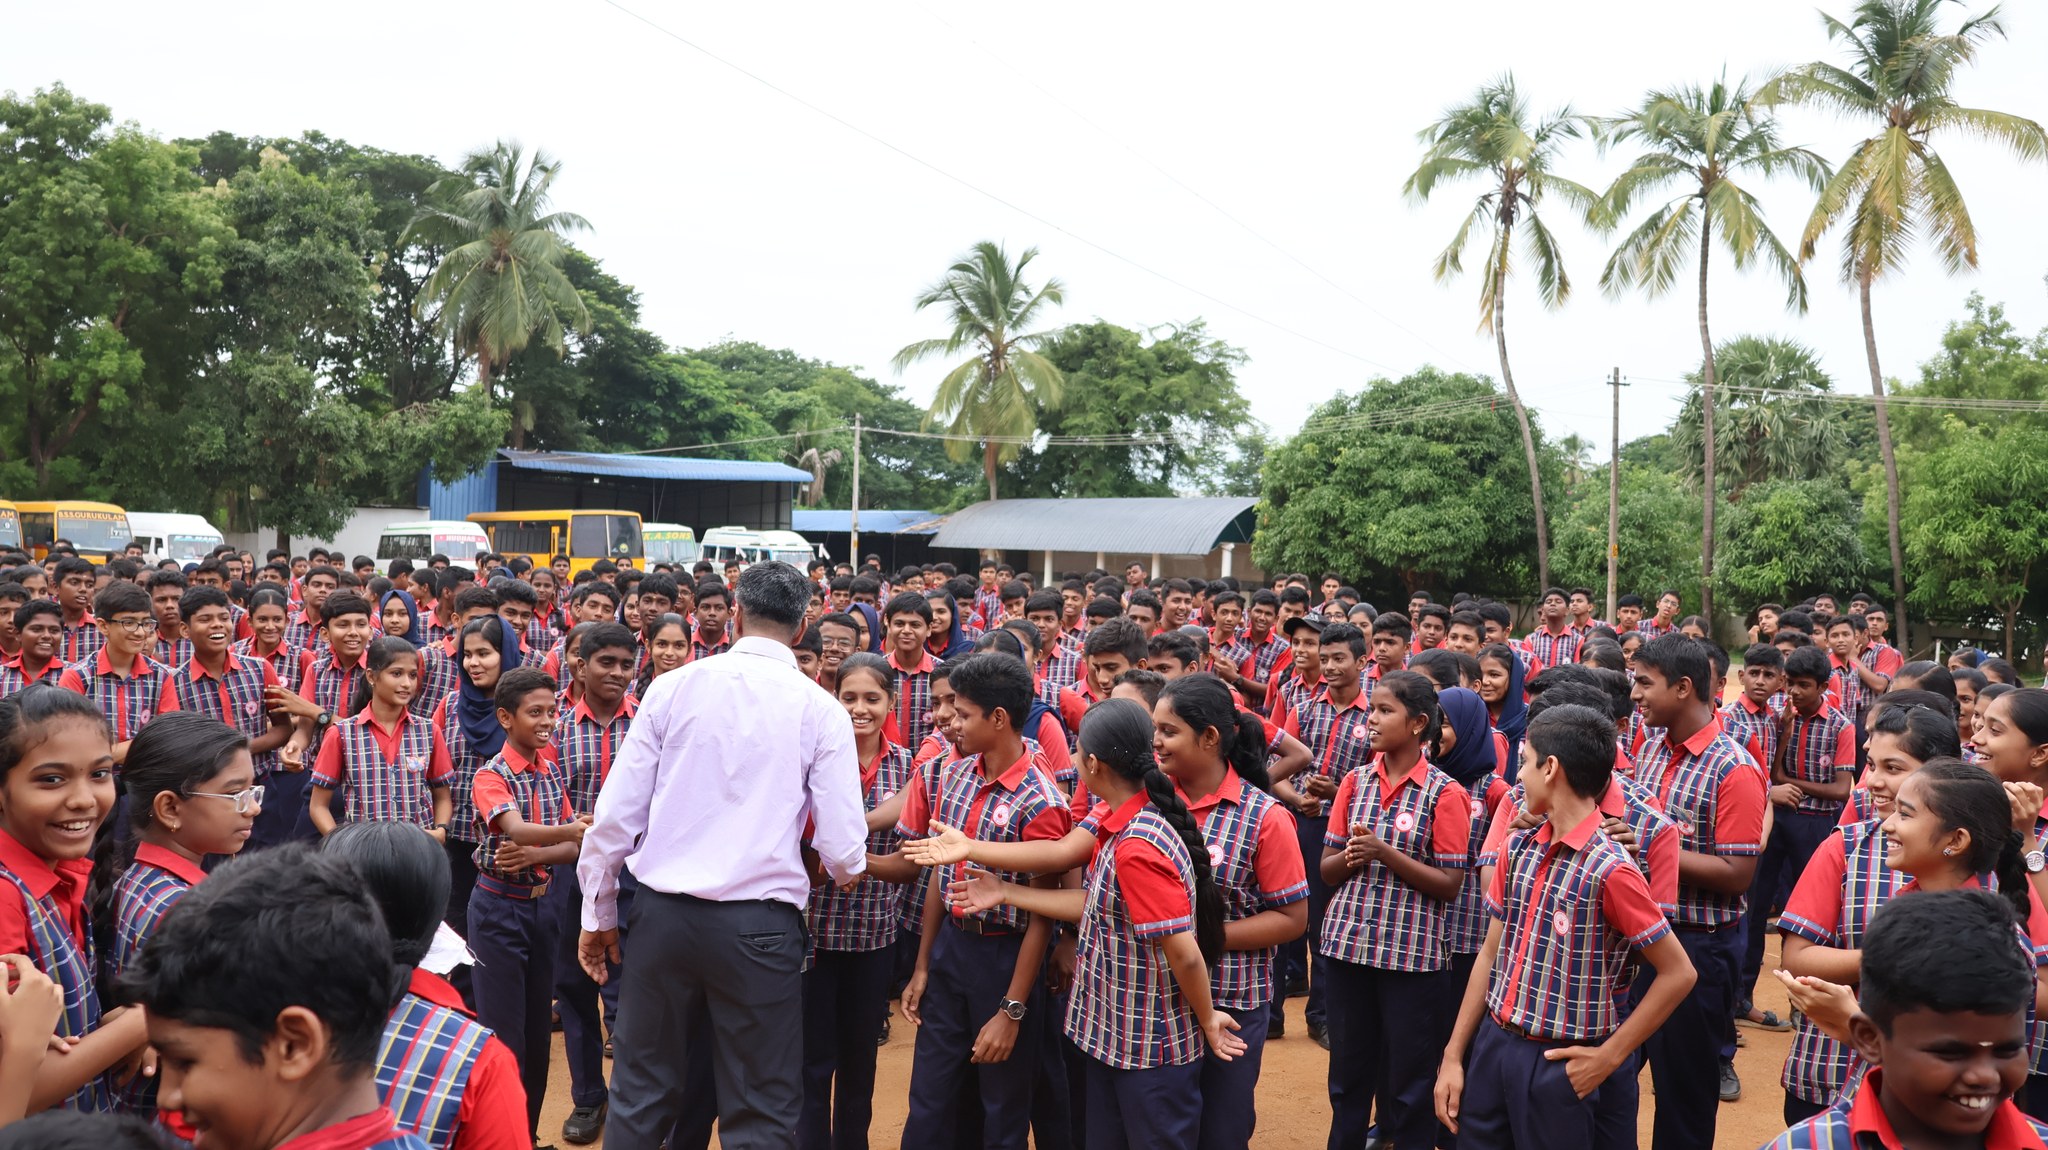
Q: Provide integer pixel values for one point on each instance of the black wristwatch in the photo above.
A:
(323, 719)
(1011, 1007)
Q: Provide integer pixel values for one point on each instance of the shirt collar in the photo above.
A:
(1013, 777)
(165, 859)
(437, 990)
(581, 712)
(1230, 790)
(1120, 818)
(766, 648)
(2009, 1129)
(36, 873)
(1388, 786)
(1575, 838)
(924, 663)
(369, 718)
(51, 669)
(1751, 705)
(361, 663)
(103, 664)
(199, 671)
(518, 763)
(372, 1129)
(1702, 737)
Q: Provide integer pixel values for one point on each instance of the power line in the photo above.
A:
(726, 443)
(1938, 402)
(991, 196)
(1033, 440)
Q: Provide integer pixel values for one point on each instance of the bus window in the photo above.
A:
(458, 548)
(38, 529)
(103, 531)
(10, 528)
(587, 537)
(622, 534)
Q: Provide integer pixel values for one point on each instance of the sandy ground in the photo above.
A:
(1294, 1110)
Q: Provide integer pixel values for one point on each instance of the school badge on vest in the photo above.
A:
(1404, 822)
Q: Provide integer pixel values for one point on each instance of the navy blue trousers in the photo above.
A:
(1159, 1108)
(1392, 1024)
(968, 974)
(577, 998)
(1229, 1089)
(1794, 837)
(1685, 1052)
(1515, 1099)
(283, 818)
(514, 940)
(1615, 1105)
(846, 996)
(1303, 954)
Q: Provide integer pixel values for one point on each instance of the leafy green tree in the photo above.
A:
(1800, 435)
(1492, 138)
(995, 396)
(1706, 143)
(1657, 533)
(1977, 523)
(1895, 186)
(1402, 501)
(1179, 386)
(1982, 356)
(108, 247)
(1788, 539)
(501, 284)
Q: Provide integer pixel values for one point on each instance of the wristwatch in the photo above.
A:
(323, 719)
(2036, 861)
(1011, 1007)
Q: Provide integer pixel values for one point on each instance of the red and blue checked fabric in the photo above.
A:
(699, 649)
(431, 631)
(424, 1062)
(537, 794)
(69, 962)
(1638, 809)
(1565, 952)
(440, 677)
(585, 747)
(988, 607)
(304, 634)
(376, 789)
(1061, 669)
(1337, 738)
(1237, 651)
(1838, 894)
(1850, 694)
(288, 663)
(13, 678)
(127, 702)
(1374, 919)
(463, 762)
(1236, 827)
(1125, 1009)
(539, 635)
(926, 771)
(913, 701)
(1688, 787)
(333, 688)
(236, 698)
(864, 918)
(991, 812)
(1856, 1121)
(1467, 919)
(1586, 628)
(172, 652)
(1651, 629)
(1551, 650)
(1750, 727)
(1815, 749)
(142, 895)
(81, 642)
(1265, 656)
(1883, 658)
(1294, 694)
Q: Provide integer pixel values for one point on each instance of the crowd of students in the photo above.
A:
(294, 847)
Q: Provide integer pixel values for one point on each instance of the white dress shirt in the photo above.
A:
(728, 759)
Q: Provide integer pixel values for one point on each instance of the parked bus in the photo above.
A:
(10, 527)
(171, 535)
(670, 543)
(461, 541)
(584, 536)
(97, 531)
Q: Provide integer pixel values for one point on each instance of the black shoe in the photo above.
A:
(607, 1048)
(882, 1038)
(584, 1124)
(1373, 1141)
(1731, 1086)
(1296, 987)
(1277, 1027)
(1319, 1033)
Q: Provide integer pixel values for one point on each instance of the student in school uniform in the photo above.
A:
(40, 623)
(126, 685)
(586, 741)
(1580, 605)
(1297, 678)
(1665, 621)
(1554, 642)
(326, 688)
(165, 588)
(525, 827)
(467, 725)
(907, 617)
(1751, 719)
(443, 1075)
(47, 826)
(213, 681)
(1502, 675)
(385, 763)
(1541, 1027)
(1056, 665)
(306, 628)
(978, 976)
(1628, 613)
(71, 580)
(593, 602)
(1709, 787)
(948, 638)
(1466, 753)
(269, 618)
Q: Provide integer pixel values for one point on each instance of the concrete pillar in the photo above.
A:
(1227, 549)
(1155, 565)
(1048, 571)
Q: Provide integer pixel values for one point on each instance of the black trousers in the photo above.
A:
(846, 996)
(1685, 1052)
(739, 965)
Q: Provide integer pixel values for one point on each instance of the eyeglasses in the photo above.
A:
(134, 626)
(836, 644)
(244, 801)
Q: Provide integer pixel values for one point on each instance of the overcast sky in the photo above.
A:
(1169, 161)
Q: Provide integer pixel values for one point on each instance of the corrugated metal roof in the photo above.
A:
(1125, 526)
(655, 466)
(873, 521)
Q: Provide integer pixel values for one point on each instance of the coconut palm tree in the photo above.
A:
(1706, 143)
(991, 398)
(1492, 138)
(1894, 187)
(501, 283)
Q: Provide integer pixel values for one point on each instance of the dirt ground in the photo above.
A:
(1294, 1109)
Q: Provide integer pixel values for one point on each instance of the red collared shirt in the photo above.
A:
(1859, 1121)
(65, 880)
(1709, 788)
(373, 1131)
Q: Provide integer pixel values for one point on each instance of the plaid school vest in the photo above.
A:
(1242, 979)
(539, 796)
(1562, 966)
(998, 817)
(423, 1065)
(236, 698)
(1375, 919)
(1466, 920)
(1125, 1008)
(375, 789)
(57, 954)
(462, 777)
(1817, 1066)
(864, 918)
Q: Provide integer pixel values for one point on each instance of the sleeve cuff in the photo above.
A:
(1287, 897)
(1172, 926)
(1806, 928)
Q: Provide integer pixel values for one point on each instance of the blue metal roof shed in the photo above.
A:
(873, 521)
(699, 492)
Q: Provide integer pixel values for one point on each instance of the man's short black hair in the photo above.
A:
(592, 587)
(1344, 634)
(1118, 635)
(772, 593)
(713, 589)
(515, 591)
(1950, 952)
(119, 596)
(1582, 741)
(471, 597)
(198, 599)
(865, 585)
(1392, 623)
(1629, 600)
(995, 682)
(1102, 610)
(1176, 646)
(599, 636)
(1763, 655)
(1810, 663)
(519, 682)
(345, 603)
(1051, 601)
(1676, 657)
(909, 603)
(68, 566)
(266, 931)
(1014, 589)
(1494, 613)
(659, 584)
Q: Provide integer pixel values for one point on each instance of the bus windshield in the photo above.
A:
(604, 536)
(190, 548)
(10, 528)
(458, 548)
(93, 530)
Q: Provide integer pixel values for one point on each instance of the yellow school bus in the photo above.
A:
(97, 531)
(585, 536)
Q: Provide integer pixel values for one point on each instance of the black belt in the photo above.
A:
(981, 926)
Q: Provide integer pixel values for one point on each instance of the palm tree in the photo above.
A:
(993, 397)
(1894, 186)
(1578, 457)
(501, 283)
(1491, 138)
(1705, 141)
(1772, 418)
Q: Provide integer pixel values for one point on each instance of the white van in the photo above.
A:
(789, 547)
(461, 541)
(172, 535)
(670, 543)
(722, 543)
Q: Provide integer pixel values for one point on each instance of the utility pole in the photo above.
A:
(1614, 495)
(853, 540)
